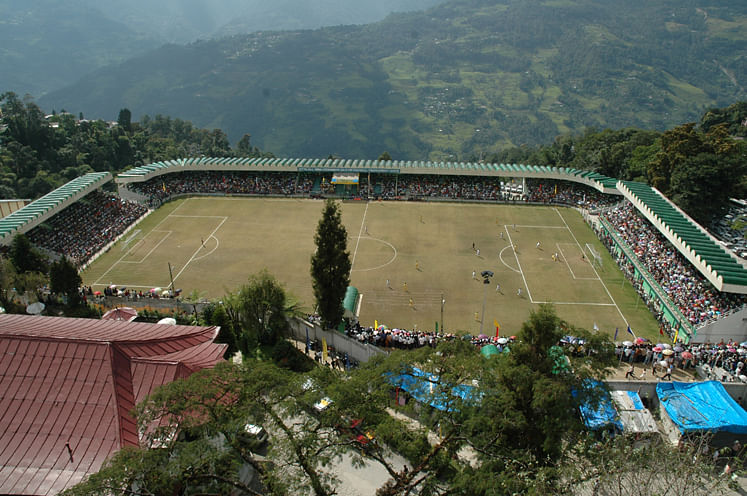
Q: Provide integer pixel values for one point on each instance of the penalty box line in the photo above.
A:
(592, 267)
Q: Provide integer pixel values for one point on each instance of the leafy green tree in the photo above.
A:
(64, 279)
(260, 308)
(215, 314)
(330, 265)
(210, 411)
(124, 120)
(25, 257)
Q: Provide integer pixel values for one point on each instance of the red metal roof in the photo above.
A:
(59, 388)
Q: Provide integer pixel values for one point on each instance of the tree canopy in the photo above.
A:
(330, 265)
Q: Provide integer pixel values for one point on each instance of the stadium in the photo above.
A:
(610, 255)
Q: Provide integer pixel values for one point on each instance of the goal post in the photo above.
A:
(594, 257)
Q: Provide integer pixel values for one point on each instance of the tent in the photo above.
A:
(597, 410)
(489, 350)
(636, 418)
(701, 407)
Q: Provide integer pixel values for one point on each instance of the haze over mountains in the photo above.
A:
(48, 44)
(457, 81)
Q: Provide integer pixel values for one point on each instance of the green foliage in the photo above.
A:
(421, 84)
(330, 265)
(38, 154)
(64, 279)
(258, 311)
(25, 257)
(215, 314)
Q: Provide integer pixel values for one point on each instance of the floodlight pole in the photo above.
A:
(486, 282)
(171, 275)
(442, 311)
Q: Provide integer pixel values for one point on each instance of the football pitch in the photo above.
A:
(424, 250)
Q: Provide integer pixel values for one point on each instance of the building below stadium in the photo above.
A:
(68, 387)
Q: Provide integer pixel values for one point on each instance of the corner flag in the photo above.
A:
(630, 331)
(497, 328)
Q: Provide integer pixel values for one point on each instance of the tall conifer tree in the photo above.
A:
(330, 265)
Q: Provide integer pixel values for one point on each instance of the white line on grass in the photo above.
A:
(518, 264)
(565, 259)
(500, 255)
(363, 225)
(394, 257)
(198, 249)
(217, 244)
(592, 266)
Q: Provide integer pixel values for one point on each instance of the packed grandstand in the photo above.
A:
(85, 227)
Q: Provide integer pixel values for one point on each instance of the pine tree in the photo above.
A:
(330, 265)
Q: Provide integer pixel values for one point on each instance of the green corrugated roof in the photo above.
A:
(702, 245)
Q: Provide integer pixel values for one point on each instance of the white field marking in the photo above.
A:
(394, 257)
(500, 255)
(565, 259)
(592, 267)
(543, 227)
(212, 234)
(132, 236)
(136, 244)
(518, 264)
(217, 244)
(200, 216)
(168, 233)
(577, 303)
(363, 225)
(135, 285)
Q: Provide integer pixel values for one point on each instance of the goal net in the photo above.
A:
(594, 257)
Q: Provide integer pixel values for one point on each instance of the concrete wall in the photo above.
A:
(343, 344)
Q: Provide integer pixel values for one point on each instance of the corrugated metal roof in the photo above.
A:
(73, 382)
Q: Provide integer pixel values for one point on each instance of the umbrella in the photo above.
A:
(667, 346)
(664, 363)
(466, 337)
(502, 340)
(167, 320)
(155, 290)
(679, 349)
(658, 348)
(113, 286)
(743, 343)
(687, 355)
(482, 336)
(627, 343)
(667, 352)
(97, 293)
(640, 340)
(127, 314)
(35, 308)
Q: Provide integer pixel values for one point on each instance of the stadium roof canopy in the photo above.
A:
(721, 268)
(67, 387)
(317, 165)
(36, 212)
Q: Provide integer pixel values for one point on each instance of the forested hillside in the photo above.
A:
(468, 77)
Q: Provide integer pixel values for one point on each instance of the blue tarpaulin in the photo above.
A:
(702, 406)
(425, 388)
(598, 414)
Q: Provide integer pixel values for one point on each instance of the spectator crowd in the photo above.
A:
(695, 296)
(81, 230)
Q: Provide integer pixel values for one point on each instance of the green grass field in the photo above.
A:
(215, 244)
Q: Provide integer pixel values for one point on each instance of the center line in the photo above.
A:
(363, 225)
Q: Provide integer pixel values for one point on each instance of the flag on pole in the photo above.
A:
(661, 329)
(630, 331)
(163, 187)
(497, 328)
(376, 324)
(556, 189)
(675, 336)
(615, 338)
(437, 326)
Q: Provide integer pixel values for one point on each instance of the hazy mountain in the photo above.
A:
(464, 78)
(48, 44)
